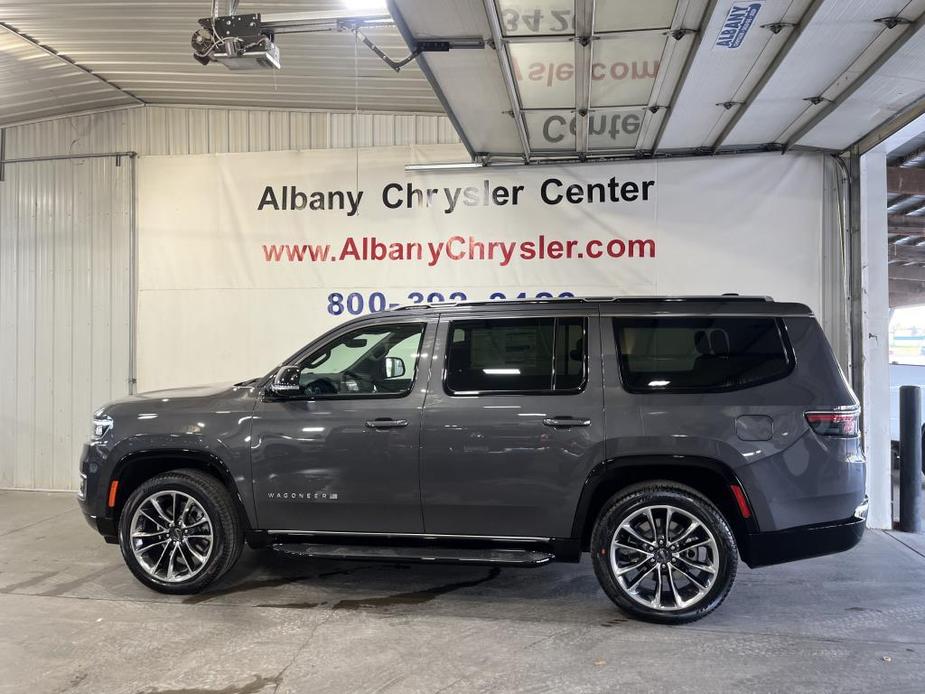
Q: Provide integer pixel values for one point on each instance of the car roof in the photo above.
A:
(725, 304)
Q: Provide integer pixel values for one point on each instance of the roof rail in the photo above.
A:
(713, 298)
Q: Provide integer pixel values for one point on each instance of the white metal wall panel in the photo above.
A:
(182, 130)
(279, 130)
(198, 128)
(65, 265)
(300, 130)
(64, 311)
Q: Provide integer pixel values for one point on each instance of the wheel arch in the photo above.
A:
(139, 466)
(708, 476)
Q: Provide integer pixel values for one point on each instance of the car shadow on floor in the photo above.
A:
(264, 578)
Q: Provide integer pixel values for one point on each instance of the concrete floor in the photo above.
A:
(72, 619)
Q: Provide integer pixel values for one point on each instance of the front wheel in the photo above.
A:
(180, 531)
(664, 553)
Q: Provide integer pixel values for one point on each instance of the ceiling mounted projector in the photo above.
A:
(247, 41)
(239, 42)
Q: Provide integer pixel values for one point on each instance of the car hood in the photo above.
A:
(191, 397)
(187, 392)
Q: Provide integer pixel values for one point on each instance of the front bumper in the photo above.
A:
(804, 542)
(91, 496)
(104, 526)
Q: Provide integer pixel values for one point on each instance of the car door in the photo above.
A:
(513, 422)
(342, 454)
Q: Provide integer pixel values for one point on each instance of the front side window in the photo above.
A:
(700, 354)
(375, 360)
(524, 355)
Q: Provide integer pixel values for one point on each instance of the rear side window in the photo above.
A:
(524, 355)
(693, 355)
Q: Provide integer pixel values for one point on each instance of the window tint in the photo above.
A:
(570, 354)
(700, 354)
(516, 355)
(376, 360)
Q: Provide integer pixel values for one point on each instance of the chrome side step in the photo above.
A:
(438, 555)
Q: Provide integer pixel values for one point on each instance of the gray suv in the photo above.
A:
(668, 437)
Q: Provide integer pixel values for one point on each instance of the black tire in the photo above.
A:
(632, 501)
(218, 505)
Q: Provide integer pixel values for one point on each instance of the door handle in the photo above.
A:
(566, 422)
(386, 423)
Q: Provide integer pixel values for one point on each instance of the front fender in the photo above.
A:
(218, 439)
(231, 465)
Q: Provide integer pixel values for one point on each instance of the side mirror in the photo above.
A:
(286, 381)
(394, 367)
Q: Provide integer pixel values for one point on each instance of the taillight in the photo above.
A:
(835, 422)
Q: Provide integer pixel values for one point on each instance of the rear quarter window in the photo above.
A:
(701, 355)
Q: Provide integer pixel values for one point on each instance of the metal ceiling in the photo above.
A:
(563, 78)
(36, 83)
(906, 215)
(558, 79)
(142, 48)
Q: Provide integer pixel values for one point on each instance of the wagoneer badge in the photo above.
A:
(302, 496)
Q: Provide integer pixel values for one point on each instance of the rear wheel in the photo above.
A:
(664, 553)
(180, 531)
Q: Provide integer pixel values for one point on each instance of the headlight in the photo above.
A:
(101, 427)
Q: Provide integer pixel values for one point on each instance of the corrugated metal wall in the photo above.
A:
(64, 311)
(179, 130)
(65, 256)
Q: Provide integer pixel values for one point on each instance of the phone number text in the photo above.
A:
(357, 303)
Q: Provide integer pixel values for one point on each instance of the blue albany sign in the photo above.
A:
(739, 20)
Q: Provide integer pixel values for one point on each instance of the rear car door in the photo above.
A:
(513, 421)
(342, 455)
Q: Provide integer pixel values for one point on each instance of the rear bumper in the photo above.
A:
(804, 542)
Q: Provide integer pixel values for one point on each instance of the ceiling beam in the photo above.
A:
(911, 159)
(906, 232)
(886, 130)
(909, 273)
(909, 254)
(584, 28)
(915, 211)
(905, 286)
(906, 181)
(685, 71)
(795, 33)
(507, 73)
(67, 61)
(902, 221)
(900, 298)
(908, 31)
(905, 225)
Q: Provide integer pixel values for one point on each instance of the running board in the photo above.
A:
(437, 555)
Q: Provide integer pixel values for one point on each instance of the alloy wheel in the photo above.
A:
(664, 557)
(171, 536)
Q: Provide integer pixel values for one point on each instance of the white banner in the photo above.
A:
(243, 258)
